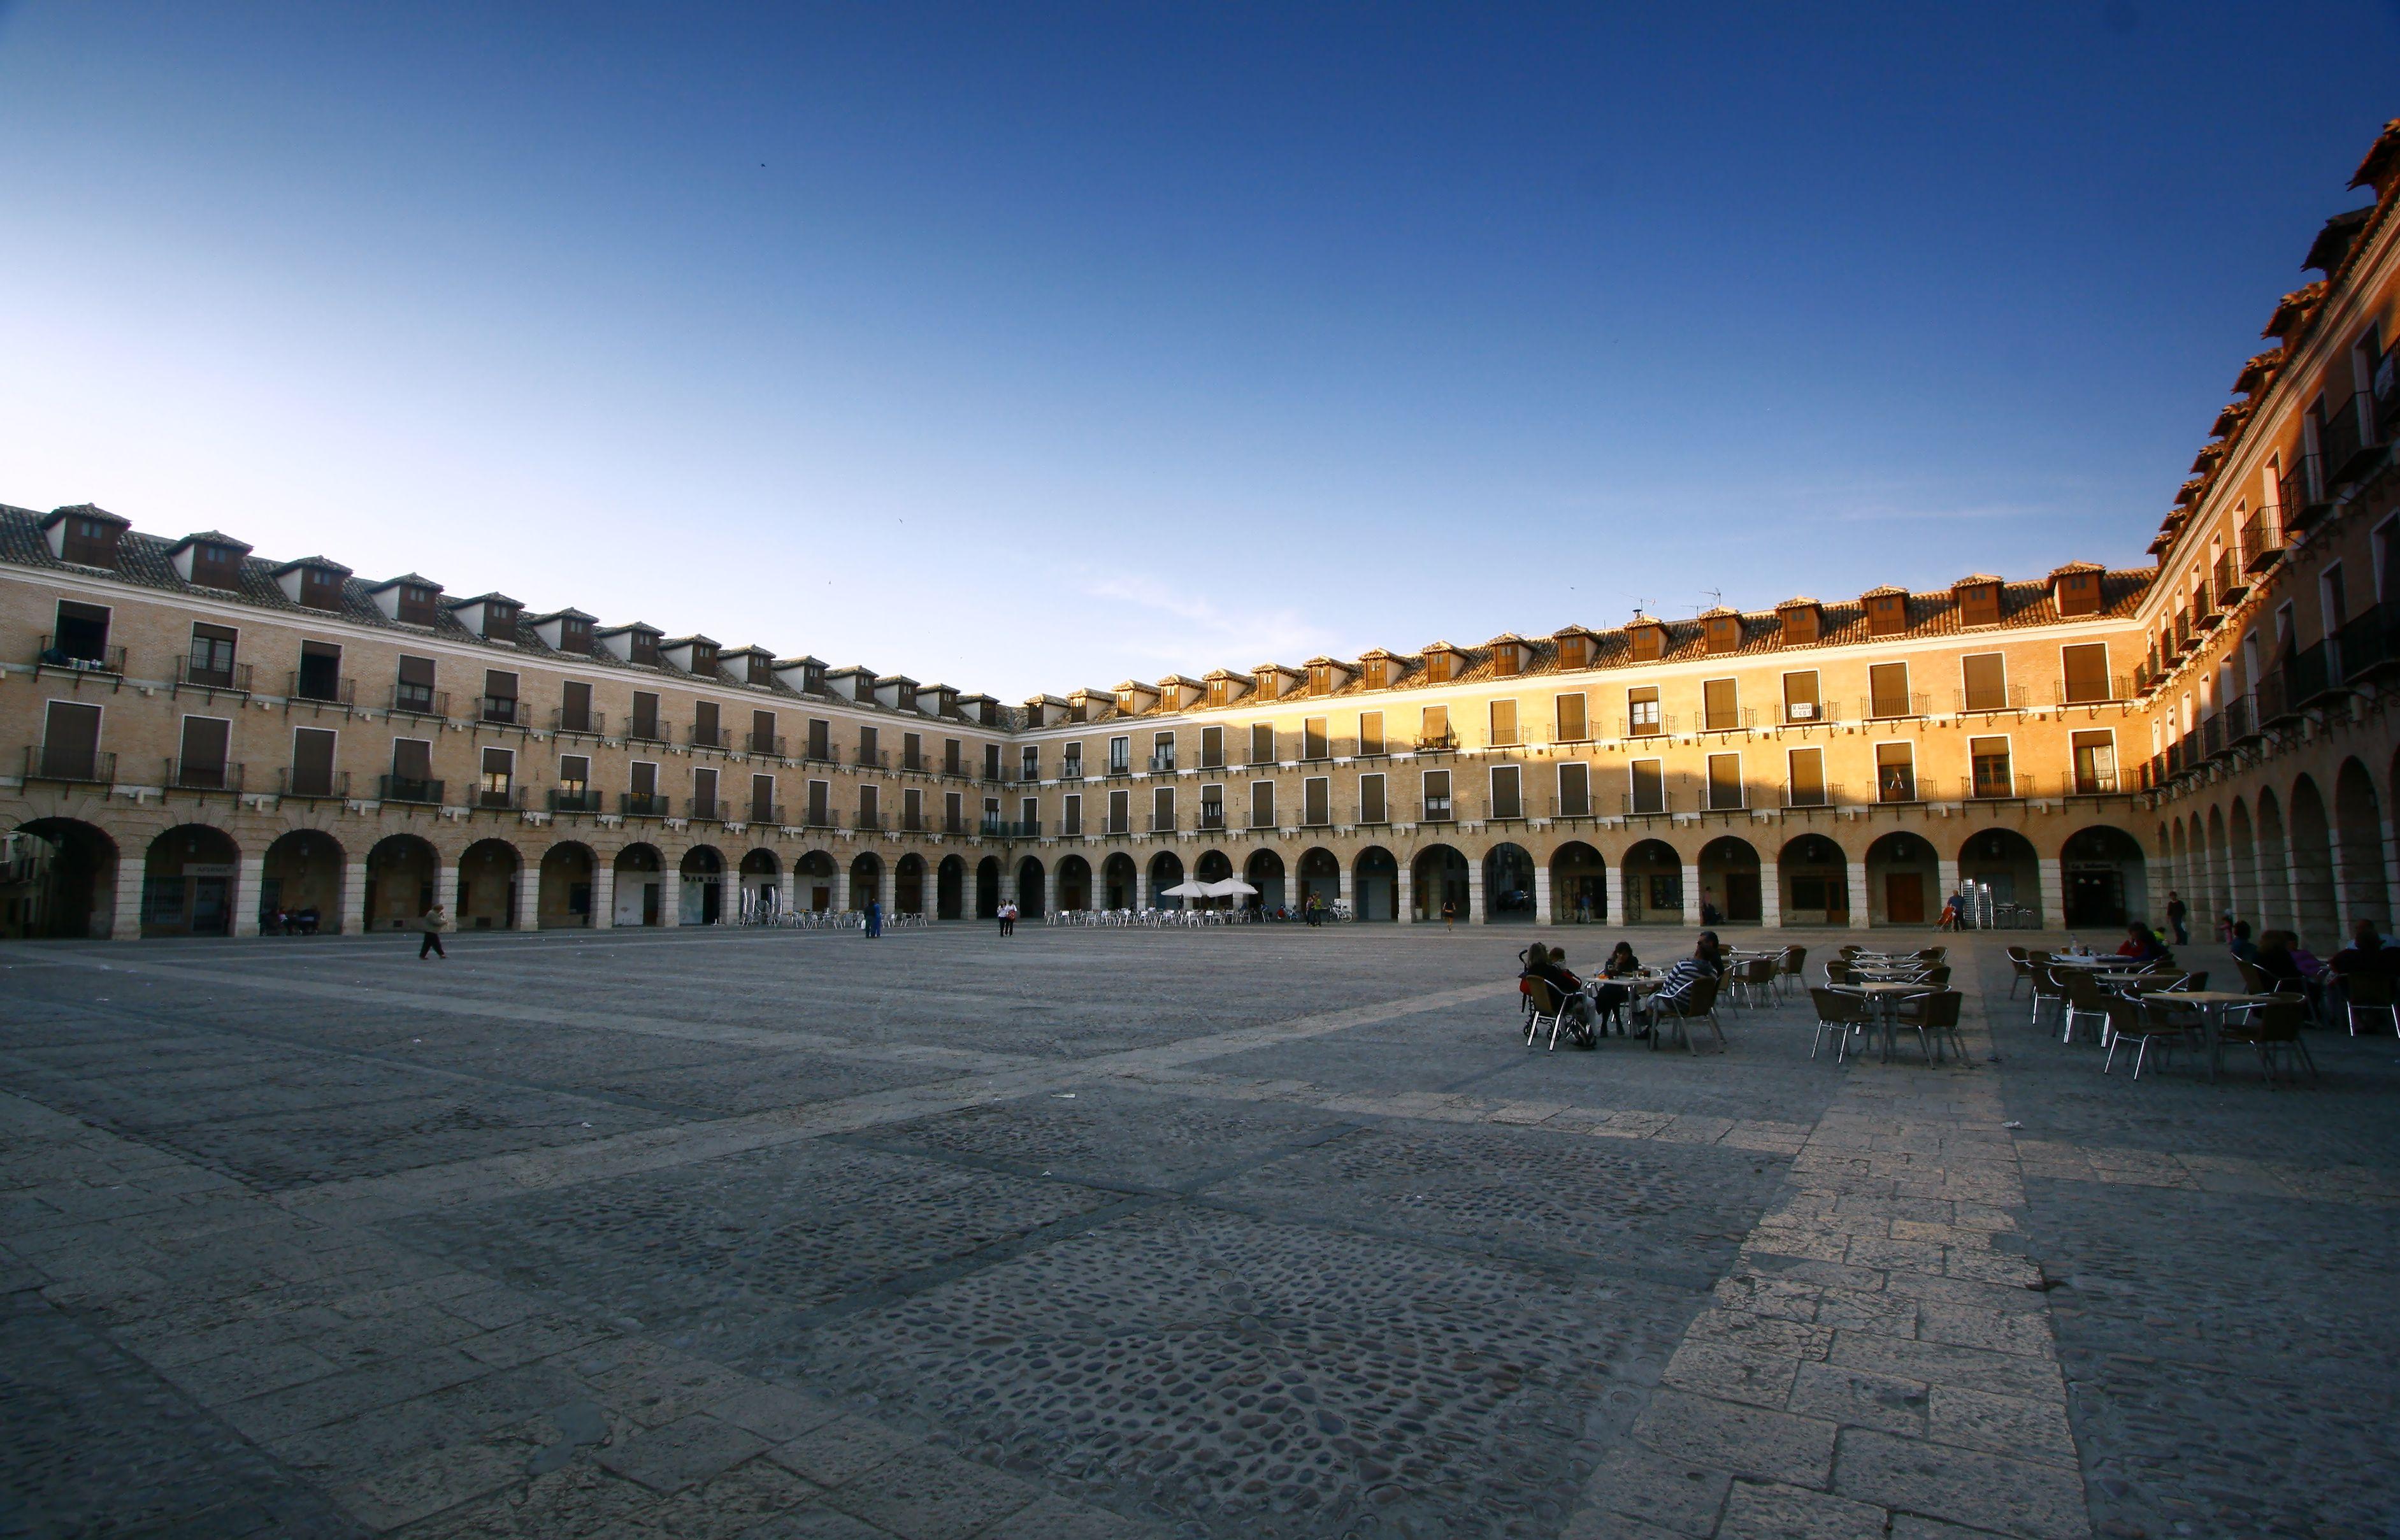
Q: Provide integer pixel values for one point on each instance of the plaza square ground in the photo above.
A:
(1253, 1232)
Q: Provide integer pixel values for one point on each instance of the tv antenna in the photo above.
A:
(1639, 606)
(1717, 595)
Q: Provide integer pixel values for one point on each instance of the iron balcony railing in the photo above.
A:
(1260, 821)
(770, 745)
(1658, 804)
(2228, 581)
(1571, 807)
(497, 797)
(2204, 607)
(1895, 706)
(1012, 828)
(1162, 823)
(589, 724)
(79, 656)
(866, 758)
(1823, 794)
(2369, 644)
(312, 785)
(501, 709)
(1116, 826)
(193, 672)
(70, 762)
(819, 818)
(869, 822)
(1162, 764)
(2305, 495)
(420, 700)
(330, 690)
(916, 763)
(2263, 541)
(2352, 434)
(203, 775)
(575, 799)
(645, 730)
(1375, 817)
(957, 823)
(1212, 816)
(2090, 692)
(1995, 782)
(707, 737)
(2213, 743)
(705, 809)
(910, 823)
(1316, 818)
(2182, 632)
(1896, 786)
(407, 788)
(1804, 714)
(2241, 715)
(1437, 742)
(2091, 783)
(1740, 719)
(1655, 726)
(1437, 810)
(642, 804)
(2010, 697)
(1504, 810)
(2312, 674)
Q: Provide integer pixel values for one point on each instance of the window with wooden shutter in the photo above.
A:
(312, 762)
(1896, 772)
(575, 707)
(1313, 738)
(206, 740)
(212, 659)
(1987, 678)
(1724, 781)
(1434, 732)
(821, 741)
(1575, 790)
(412, 760)
(2086, 669)
(1573, 723)
(1649, 786)
(1807, 778)
(1437, 796)
(1642, 717)
(1162, 810)
(763, 739)
(870, 806)
(416, 604)
(819, 803)
(1648, 642)
(1370, 733)
(1887, 614)
(1070, 815)
(705, 730)
(496, 787)
(500, 695)
(1316, 800)
(1507, 791)
(1120, 813)
(646, 716)
(1504, 724)
(1263, 808)
(71, 742)
(870, 750)
(1888, 690)
(1371, 799)
(644, 778)
(1800, 701)
(1988, 762)
(762, 799)
(1720, 706)
(1262, 743)
(1212, 748)
(415, 691)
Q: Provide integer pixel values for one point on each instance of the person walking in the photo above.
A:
(1007, 919)
(874, 917)
(435, 921)
(1449, 914)
(2176, 915)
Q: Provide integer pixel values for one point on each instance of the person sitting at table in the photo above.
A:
(2240, 945)
(1706, 962)
(2142, 942)
(2367, 953)
(1610, 999)
(1549, 966)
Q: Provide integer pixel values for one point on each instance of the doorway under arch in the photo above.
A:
(702, 879)
(1509, 884)
(1375, 884)
(951, 888)
(488, 872)
(563, 900)
(1729, 883)
(1120, 878)
(76, 896)
(402, 872)
(1264, 871)
(1166, 871)
(640, 887)
(1031, 887)
(908, 885)
(1903, 880)
(1438, 878)
(1654, 884)
(2000, 873)
(2105, 878)
(1579, 885)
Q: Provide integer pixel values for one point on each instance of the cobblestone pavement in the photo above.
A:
(1255, 1232)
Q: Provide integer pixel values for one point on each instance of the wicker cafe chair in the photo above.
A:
(2146, 1024)
(1935, 1018)
(2273, 1029)
(1793, 970)
(1844, 1015)
(1755, 979)
(1549, 1005)
(1697, 1004)
(2020, 969)
(2046, 990)
(2371, 992)
(2083, 998)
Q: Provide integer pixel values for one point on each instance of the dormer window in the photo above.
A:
(1439, 667)
(1801, 624)
(416, 604)
(89, 542)
(909, 697)
(574, 636)
(1648, 640)
(1269, 685)
(1979, 604)
(216, 566)
(1506, 659)
(1379, 673)
(989, 713)
(1887, 614)
(320, 588)
(812, 678)
(644, 647)
(499, 623)
(1575, 651)
(1220, 691)
(1320, 678)
(703, 659)
(2078, 593)
(1724, 633)
(762, 669)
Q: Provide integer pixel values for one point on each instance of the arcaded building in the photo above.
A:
(198, 734)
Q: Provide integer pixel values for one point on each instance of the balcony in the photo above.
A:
(1319, 818)
(74, 655)
(1012, 828)
(910, 823)
(643, 804)
(1653, 804)
(1825, 793)
(866, 759)
(1162, 823)
(408, 788)
(1437, 742)
(1994, 782)
(956, 823)
(2090, 692)
(2263, 541)
(1894, 706)
(707, 810)
(497, 795)
(2366, 646)
(2305, 495)
(501, 711)
(1212, 817)
(1720, 799)
(575, 799)
(313, 785)
(699, 737)
(867, 821)
(767, 745)
(1437, 811)
(1802, 714)
(2213, 745)
(1650, 726)
(1116, 826)
(2275, 702)
(200, 672)
(2092, 783)
(1741, 719)
(643, 730)
(2228, 581)
(1896, 785)
(911, 761)
(419, 700)
(578, 724)
(2182, 632)
(1162, 764)
(69, 762)
(1375, 817)
(2241, 715)
(1571, 807)
(818, 818)
(2312, 675)
(1120, 768)
(2011, 697)
(1258, 821)
(2352, 436)
(203, 775)
(315, 685)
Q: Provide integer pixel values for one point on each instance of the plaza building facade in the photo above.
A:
(196, 735)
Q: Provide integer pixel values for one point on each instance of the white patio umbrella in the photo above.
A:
(1190, 887)
(1228, 887)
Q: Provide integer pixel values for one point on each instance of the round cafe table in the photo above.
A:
(1886, 997)
(2211, 1004)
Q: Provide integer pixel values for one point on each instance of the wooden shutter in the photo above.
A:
(70, 740)
(1316, 799)
(1504, 722)
(1575, 790)
(205, 740)
(1262, 747)
(1649, 778)
(1262, 811)
(312, 762)
(412, 759)
(1371, 724)
(1507, 792)
(1371, 799)
(1987, 681)
(1887, 688)
(1725, 781)
(575, 706)
(1721, 704)
(2087, 672)
(1808, 777)
(1574, 725)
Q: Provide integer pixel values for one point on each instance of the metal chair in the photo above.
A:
(1934, 1015)
(2020, 969)
(2272, 1027)
(1696, 1004)
(2147, 1022)
(2369, 992)
(2084, 997)
(1793, 970)
(1845, 1016)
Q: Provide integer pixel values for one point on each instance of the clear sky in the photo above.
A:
(1028, 347)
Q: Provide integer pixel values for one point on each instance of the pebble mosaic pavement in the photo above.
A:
(1266, 1231)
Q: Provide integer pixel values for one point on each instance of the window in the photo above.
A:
(644, 646)
(2086, 670)
(1212, 807)
(495, 784)
(1262, 804)
(819, 803)
(1212, 748)
(1504, 724)
(1979, 605)
(1029, 816)
(1724, 781)
(415, 691)
(763, 739)
(2079, 594)
(500, 695)
(1028, 762)
(1120, 755)
(1437, 667)
(1071, 756)
(1806, 783)
(82, 633)
(1887, 614)
(1162, 751)
(992, 761)
(1437, 796)
(1989, 758)
(206, 740)
(1503, 659)
(1370, 733)
(1800, 701)
(646, 716)
(954, 817)
(2337, 601)
(762, 799)
(574, 636)
(1575, 651)
(89, 542)
(1371, 801)
(870, 745)
(1433, 729)
(1162, 810)
(411, 772)
(1070, 815)
(1320, 678)
(1120, 813)
(870, 806)
(320, 588)
(1896, 772)
(499, 622)
(574, 781)
(1507, 791)
(1723, 633)
(575, 707)
(1720, 706)
(951, 763)
(1575, 790)
(1985, 678)
(71, 743)
(1888, 690)
(1312, 743)
(1262, 743)
(1379, 672)
(312, 762)
(1648, 642)
(2095, 762)
(1573, 726)
(416, 604)
(1641, 718)
(1316, 802)
(1649, 786)
(1799, 623)
(212, 655)
(821, 740)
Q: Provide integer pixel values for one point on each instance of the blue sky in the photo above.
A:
(1032, 346)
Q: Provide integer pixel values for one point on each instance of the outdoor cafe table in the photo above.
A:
(1886, 997)
(2211, 1004)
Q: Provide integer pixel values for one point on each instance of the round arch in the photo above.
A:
(488, 872)
(1120, 882)
(1509, 884)
(2274, 864)
(1166, 871)
(1813, 875)
(75, 895)
(2358, 849)
(1579, 885)
(1212, 867)
(562, 894)
(1729, 883)
(812, 878)
(701, 887)
(300, 877)
(951, 888)
(761, 878)
(1903, 876)
(988, 888)
(908, 885)
(1031, 887)
(401, 873)
(2104, 876)
(1438, 878)
(1264, 871)
(1074, 881)
(1654, 883)
(2313, 893)
(1375, 884)
(2219, 891)
(187, 883)
(865, 880)
(1999, 872)
(1319, 877)
(2242, 863)
(640, 886)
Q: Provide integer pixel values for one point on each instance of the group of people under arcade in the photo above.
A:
(1592, 1010)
